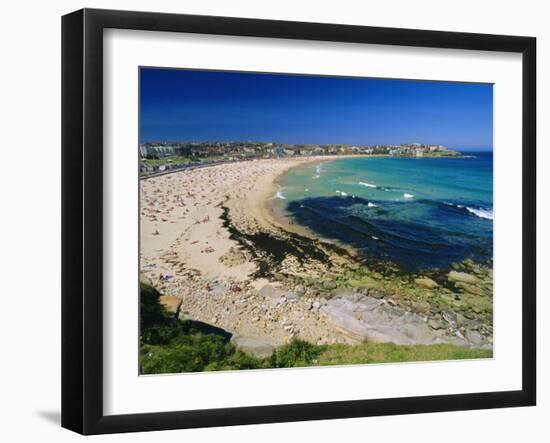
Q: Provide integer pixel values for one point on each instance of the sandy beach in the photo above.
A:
(212, 247)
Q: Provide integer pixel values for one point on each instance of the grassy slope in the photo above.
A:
(390, 353)
(169, 345)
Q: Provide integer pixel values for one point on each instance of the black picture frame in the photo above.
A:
(82, 215)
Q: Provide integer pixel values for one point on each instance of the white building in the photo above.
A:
(142, 151)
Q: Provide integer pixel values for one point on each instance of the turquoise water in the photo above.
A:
(417, 213)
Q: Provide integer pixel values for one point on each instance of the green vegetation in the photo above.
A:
(159, 161)
(179, 160)
(169, 345)
(340, 354)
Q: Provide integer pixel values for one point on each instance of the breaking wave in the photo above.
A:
(368, 185)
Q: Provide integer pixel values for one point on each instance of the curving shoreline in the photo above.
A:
(214, 248)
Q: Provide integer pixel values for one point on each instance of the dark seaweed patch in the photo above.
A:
(269, 250)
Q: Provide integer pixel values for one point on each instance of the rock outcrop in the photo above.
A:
(362, 318)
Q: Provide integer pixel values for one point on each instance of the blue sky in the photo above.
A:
(191, 105)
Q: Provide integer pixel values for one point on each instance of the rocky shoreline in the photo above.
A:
(367, 305)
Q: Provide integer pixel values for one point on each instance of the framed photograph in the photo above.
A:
(269, 221)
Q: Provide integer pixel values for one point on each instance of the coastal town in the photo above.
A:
(157, 157)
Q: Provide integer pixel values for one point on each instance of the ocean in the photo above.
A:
(415, 213)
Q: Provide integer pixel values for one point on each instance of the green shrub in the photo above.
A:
(151, 311)
(156, 326)
(296, 353)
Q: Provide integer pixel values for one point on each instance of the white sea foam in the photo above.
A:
(406, 195)
(368, 185)
(481, 213)
(371, 205)
(452, 204)
(343, 194)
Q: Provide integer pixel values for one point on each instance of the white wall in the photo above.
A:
(30, 217)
